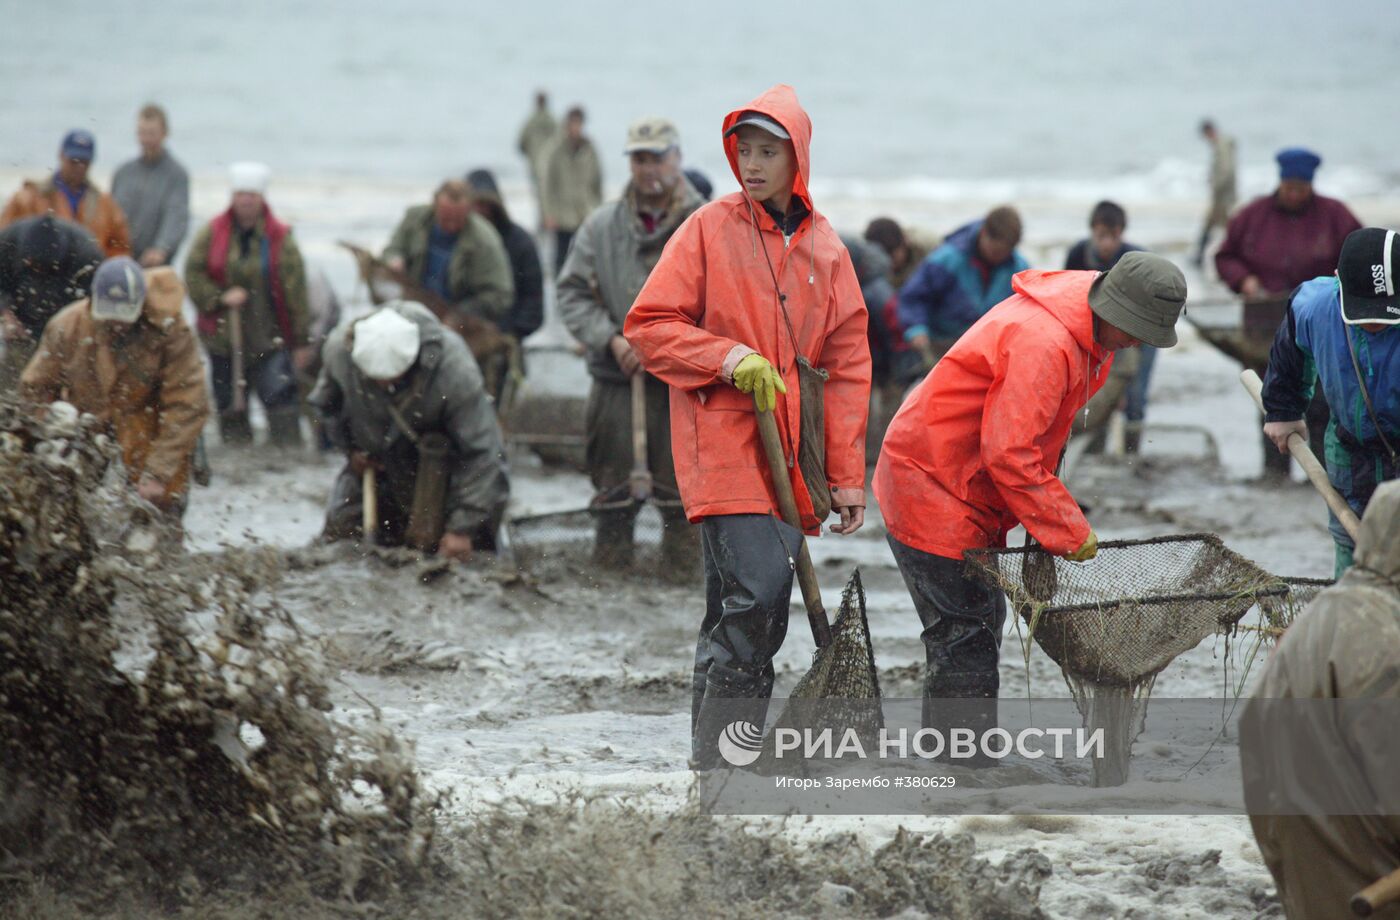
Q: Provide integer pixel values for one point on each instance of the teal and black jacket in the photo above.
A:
(1311, 348)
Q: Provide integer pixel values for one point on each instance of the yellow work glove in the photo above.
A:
(755, 375)
(1088, 551)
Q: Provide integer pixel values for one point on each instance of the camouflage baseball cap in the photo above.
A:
(651, 135)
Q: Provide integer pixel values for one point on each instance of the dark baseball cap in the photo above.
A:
(79, 145)
(1366, 273)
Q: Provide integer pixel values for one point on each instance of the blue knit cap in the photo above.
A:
(1297, 163)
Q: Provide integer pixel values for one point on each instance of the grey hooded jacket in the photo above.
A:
(443, 393)
(1335, 763)
(610, 258)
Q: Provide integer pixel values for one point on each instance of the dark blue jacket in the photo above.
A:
(946, 294)
(1310, 348)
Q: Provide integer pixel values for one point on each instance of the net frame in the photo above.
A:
(840, 691)
(1104, 647)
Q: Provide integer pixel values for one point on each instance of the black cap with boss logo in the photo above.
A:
(1366, 271)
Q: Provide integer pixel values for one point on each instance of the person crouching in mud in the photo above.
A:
(126, 355)
(974, 448)
(404, 397)
(749, 284)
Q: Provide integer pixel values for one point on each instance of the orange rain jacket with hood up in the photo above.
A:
(711, 298)
(973, 450)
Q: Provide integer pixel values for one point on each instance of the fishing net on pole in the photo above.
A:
(841, 690)
(571, 536)
(1114, 623)
(1279, 611)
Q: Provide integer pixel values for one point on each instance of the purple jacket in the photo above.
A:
(1283, 249)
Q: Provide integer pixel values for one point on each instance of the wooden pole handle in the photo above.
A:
(641, 472)
(1317, 474)
(787, 507)
(235, 347)
(1378, 894)
(369, 500)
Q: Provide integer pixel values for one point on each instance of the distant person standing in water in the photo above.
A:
(1222, 184)
(70, 196)
(248, 282)
(535, 137)
(1275, 243)
(154, 193)
(1132, 368)
(572, 184)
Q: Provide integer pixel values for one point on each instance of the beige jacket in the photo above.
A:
(146, 383)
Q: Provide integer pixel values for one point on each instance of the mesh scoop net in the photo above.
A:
(1114, 623)
(841, 691)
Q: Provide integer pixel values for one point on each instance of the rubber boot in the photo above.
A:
(966, 700)
(697, 696)
(234, 429)
(680, 550)
(284, 427)
(1132, 438)
(614, 547)
(1200, 258)
(731, 698)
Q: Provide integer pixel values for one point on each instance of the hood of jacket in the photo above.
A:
(1378, 549)
(1064, 295)
(165, 296)
(780, 104)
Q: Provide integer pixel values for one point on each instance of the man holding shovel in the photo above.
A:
(974, 449)
(750, 287)
(612, 254)
(1340, 332)
(248, 282)
(405, 400)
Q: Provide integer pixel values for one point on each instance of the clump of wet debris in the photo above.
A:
(607, 858)
(164, 727)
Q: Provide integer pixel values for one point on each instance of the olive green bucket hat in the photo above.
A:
(1142, 295)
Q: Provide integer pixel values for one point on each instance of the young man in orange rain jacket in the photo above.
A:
(710, 323)
(973, 451)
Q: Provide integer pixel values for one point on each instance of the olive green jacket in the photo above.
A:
(261, 334)
(479, 277)
(572, 184)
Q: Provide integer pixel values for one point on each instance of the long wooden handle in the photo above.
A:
(641, 473)
(235, 347)
(787, 507)
(1317, 475)
(369, 500)
(1383, 891)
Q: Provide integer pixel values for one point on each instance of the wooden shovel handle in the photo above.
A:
(1317, 475)
(369, 498)
(787, 507)
(235, 348)
(1383, 891)
(641, 472)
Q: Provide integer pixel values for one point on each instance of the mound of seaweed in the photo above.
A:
(162, 728)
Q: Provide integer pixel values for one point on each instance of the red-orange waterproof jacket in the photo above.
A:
(711, 297)
(973, 450)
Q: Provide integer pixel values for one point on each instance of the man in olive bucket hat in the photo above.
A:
(973, 452)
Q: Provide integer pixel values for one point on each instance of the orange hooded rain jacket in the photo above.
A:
(711, 298)
(974, 448)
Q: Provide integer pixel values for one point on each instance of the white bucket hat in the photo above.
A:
(248, 176)
(386, 343)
